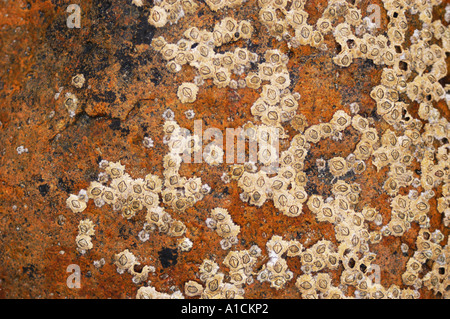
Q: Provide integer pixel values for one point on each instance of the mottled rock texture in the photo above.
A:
(127, 90)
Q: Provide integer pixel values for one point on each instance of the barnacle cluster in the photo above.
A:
(354, 237)
(240, 264)
(224, 226)
(170, 11)
(215, 287)
(126, 261)
(443, 204)
(428, 248)
(84, 238)
(158, 218)
(216, 5)
(276, 104)
(179, 192)
(151, 293)
(411, 79)
(130, 196)
(286, 188)
(123, 193)
(407, 209)
(276, 270)
(197, 49)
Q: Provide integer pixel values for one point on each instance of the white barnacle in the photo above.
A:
(75, 204)
(225, 178)
(213, 155)
(168, 115)
(86, 227)
(143, 236)
(21, 149)
(137, 3)
(192, 288)
(158, 17)
(83, 242)
(189, 114)
(187, 92)
(185, 244)
(71, 103)
(225, 244)
(147, 142)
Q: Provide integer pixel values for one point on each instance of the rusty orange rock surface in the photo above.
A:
(127, 90)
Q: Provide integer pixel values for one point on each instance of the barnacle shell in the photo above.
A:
(75, 204)
(86, 227)
(84, 242)
(338, 166)
(192, 288)
(71, 103)
(151, 293)
(124, 260)
(158, 17)
(187, 92)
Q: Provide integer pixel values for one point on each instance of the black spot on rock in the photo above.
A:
(64, 185)
(168, 257)
(43, 189)
(124, 233)
(156, 76)
(127, 63)
(144, 31)
(115, 124)
(107, 96)
(30, 270)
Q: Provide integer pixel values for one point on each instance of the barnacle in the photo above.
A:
(78, 81)
(158, 17)
(277, 245)
(294, 249)
(221, 77)
(340, 120)
(187, 92)
(253, 81)
(115, 171)
(409, 71)
(313, 134)
(75, 204)
(193, 288)
(299, 122)
(158, 43)
(71, 104)
(213, 155)
(152, 293)
(245, 29)
(84, 242)
(338, 166)
(86, 227)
